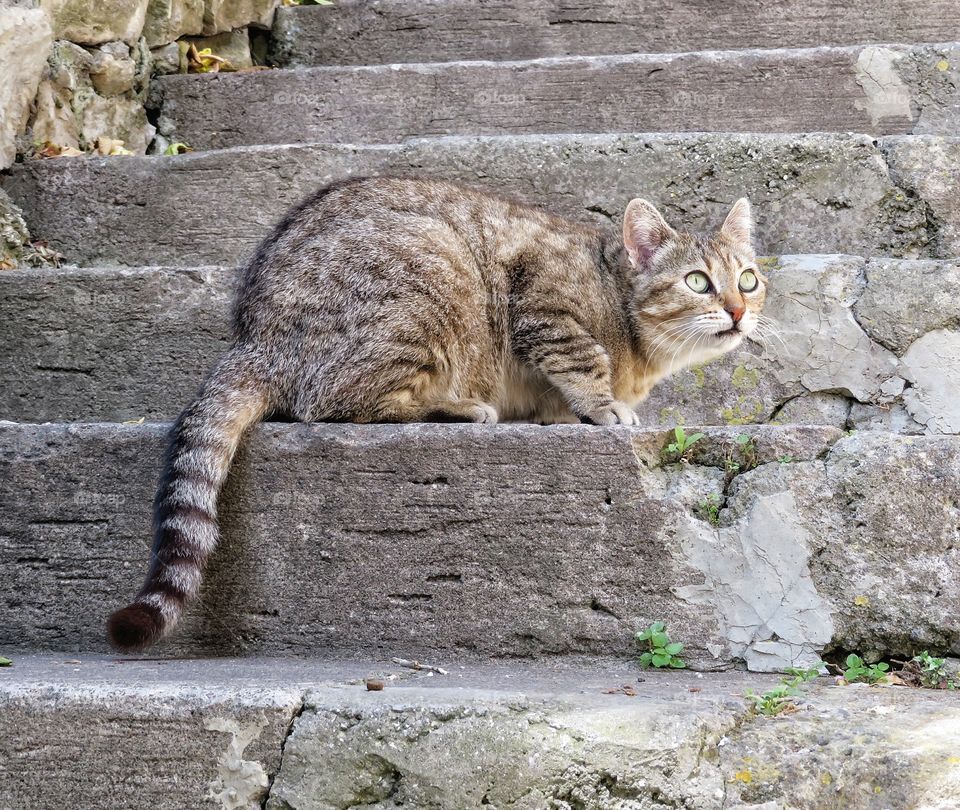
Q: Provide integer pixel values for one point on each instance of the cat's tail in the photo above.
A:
(202, 445)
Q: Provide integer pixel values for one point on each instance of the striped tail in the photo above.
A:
(202, 445)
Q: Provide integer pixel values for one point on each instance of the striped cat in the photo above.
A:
(390, 300)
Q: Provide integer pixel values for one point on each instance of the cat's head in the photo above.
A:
(695, 298)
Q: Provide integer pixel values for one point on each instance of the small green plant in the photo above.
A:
(931, 672)
(710, 508)
(743, 456)
(858, 671)
(660, 652)
(781, 697)
(773, 701)
(5, 662)
(177, 148)
(682, 443)
(748, 450)
(785, 459)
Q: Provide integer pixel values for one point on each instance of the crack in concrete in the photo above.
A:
(297, 714)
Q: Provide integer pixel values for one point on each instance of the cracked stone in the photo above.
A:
(932, 365)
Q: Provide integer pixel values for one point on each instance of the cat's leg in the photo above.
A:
(400, 406)
(461, 410)
(577, 365)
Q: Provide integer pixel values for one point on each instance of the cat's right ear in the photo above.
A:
(644, 232)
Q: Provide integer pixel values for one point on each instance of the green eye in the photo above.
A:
(698, 282)
(748, 281)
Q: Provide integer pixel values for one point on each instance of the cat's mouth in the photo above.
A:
(733, 332)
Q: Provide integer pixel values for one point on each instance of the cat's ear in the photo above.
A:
(738, 225)
(644, 232)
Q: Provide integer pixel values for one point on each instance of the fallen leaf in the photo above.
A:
(109, 147)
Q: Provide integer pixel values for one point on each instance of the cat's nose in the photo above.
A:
(735, 312)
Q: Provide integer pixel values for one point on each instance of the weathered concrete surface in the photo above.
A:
(509, 541)
(383, 538)
(109, 345)
(358, 32)
(929, 168)
(505, 735)
(871, 89)
(900, 506)
(115, 344)
(137, 741)
(212, 208)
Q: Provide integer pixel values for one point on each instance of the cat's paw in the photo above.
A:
(483, 413)
(616, 413)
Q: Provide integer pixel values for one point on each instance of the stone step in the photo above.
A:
(856, 343)
(811, 193)
(307, 734)
(498, 542)
(871, 89)
(358, 32)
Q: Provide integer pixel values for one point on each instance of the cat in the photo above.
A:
(392, 300)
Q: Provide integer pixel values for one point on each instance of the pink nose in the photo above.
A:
(736, 313)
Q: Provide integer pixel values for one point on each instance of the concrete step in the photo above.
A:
(856, 344)
(308, 735)
(811, 193)
(872, 89)
(358, 32)
(500, 542)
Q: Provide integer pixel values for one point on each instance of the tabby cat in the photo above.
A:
(392, 300)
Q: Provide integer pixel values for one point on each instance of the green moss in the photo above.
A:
(744, 412)
(669, 416)
(699, 376)
(745, 378)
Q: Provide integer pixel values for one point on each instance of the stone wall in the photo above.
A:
(75, 74)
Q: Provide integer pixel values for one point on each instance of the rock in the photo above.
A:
(588, 178)
(234, 46)
(14, 235)
(363, 33)
(143, 361)
(892, 418)
(888, 543)
(167, 59)
(112, 69)
(197, 745)
(902, 301)
(168, 20)
(814, 409)
(932, 365)
(305, 734)
(225, 15)
(929, 168)
(729, 91)
(509, 541)
(91, 22)
(91, 93)
(25, 39)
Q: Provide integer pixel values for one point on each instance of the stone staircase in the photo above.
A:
(819, 515)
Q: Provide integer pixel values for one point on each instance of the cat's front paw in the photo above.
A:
(616, 413)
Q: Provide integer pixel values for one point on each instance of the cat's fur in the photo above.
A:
(390, 300)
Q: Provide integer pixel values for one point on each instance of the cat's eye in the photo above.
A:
(698, 282)
(748, 281)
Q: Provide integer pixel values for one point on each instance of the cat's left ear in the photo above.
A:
(645, 231)
(738, 225)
